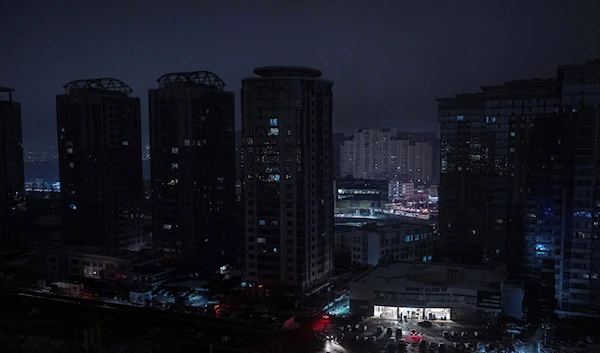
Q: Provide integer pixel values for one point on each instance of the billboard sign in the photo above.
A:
(492, 300)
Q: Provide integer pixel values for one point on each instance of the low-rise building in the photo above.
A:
(431, 291)
(399, 191)
(366, 243)
(126, 270)
(360, 196)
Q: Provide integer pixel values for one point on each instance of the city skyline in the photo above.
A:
(300, 176)
(401, 64)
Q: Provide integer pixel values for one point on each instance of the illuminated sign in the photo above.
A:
(423, 289)
(492, 300)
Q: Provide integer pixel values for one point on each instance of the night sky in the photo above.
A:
(388, 59)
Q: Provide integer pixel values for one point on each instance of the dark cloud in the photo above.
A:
(389, 59)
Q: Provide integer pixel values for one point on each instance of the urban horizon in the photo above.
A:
(348, 177)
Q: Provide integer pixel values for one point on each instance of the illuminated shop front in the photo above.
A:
(437, 314)
(385, 312)
(411, 313)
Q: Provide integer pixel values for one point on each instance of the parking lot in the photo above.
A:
(375, 334)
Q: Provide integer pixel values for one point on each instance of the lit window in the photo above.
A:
(460, 117)
(275, 250)
(174, 165)
(73, 206)
(174, 150)
(424, 258)
(262, 222)
(71, 165)
(274, 131)
(429, 258)
(69, 150)
(186, 142)
(166, 226)
(261, 240)
(125, 143)
(512, 134)
(273, 122)
(459, 169)
(274, 177)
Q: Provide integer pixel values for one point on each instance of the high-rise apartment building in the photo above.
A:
(379, 154)
(519, 183)
(12, 200)
(100, 162)
(487, 141)
(288, 178)
(577, 193)
(462, 179)
(432, 138)
(338, 139)
(193, 170)
(522, 129)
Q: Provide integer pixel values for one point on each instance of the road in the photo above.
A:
(118, 323)
(65, 319)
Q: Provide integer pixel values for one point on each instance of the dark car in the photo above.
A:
(425, 324)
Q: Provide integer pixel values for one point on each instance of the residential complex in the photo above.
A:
(12, 200)
(287, 178)
(193, 170)
(380, 154)
(100, 162)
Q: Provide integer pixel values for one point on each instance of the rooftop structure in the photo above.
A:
(6, 90)
(201, 78)
(105, 84)
(133, 256)
(411, 274)
(288, 71)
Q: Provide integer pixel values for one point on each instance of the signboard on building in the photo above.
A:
(492, 300)
(425, 289)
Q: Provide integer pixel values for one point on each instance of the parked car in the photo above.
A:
(425, 324)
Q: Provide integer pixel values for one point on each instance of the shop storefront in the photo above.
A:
(437, 314)
(385, 312)
(410, 313)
